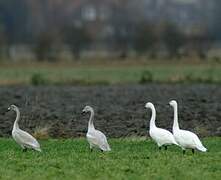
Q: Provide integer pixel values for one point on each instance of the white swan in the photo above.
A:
(186, 139)
(95, 137)
(161, 136)
(25, 140)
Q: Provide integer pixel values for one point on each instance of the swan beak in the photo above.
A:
(83, 112)
(9, 109)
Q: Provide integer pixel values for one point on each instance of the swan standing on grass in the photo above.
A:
(161, 136)
(185, 139)
(25, 140)
(95, 137)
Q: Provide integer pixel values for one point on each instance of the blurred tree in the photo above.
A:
(216, 22)
(144, 38)
(14, 15)
(43, 46)
(173, 39)
(122, 40)
(200, 43)
(77, 38)
(3, 41)
(123, 22)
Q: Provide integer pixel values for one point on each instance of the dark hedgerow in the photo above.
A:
(146, 76)
(38, 79)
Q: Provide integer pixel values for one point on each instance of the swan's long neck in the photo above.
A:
(17, 119)
(91, 123)
(175, 120)
(153, 117)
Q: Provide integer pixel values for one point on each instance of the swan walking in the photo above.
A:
(24, 139)
(161, 136)
(186, 139)
(95, 137)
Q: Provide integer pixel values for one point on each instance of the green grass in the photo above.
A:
(109, 74)
(129, 159)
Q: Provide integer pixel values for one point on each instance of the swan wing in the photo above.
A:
(185, 138)
(26, 140)
(188, 139)
(198, 143)
(163, 136)
(99, 139)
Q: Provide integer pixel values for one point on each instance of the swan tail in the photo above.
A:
(199, 145)
(37, 149)
(106, 148)
(176, 143)
(202, 148)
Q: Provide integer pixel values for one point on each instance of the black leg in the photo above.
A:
(184, 151)
(165, 147)
(193, 151)
(91, 149)
(102, 150)
(24, 150)
(159, 147)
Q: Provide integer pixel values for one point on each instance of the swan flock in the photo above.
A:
(96, 139)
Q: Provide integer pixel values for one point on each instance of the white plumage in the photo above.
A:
(24, 139)
(161, 136)
(186, 139)
(95, 137)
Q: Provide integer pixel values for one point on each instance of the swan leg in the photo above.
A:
(24, 150)
(91, 148)
(184, 151)
(165, 147)
(159, 147)
(193, 151)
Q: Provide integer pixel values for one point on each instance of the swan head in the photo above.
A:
(87, 109)
(173, 103)
(12, 107)
(149, 105)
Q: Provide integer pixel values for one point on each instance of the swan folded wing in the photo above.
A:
(27, 140)
(165, 137)
(99, 139)
(104, 144)
(188, 139)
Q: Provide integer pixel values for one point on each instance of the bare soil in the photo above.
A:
(119, 110)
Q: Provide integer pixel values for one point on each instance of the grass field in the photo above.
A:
(129, 159)
(104, 73)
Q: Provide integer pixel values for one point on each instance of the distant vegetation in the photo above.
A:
(164, 40)
(132, 158)
(103, 74)
(47, 29)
